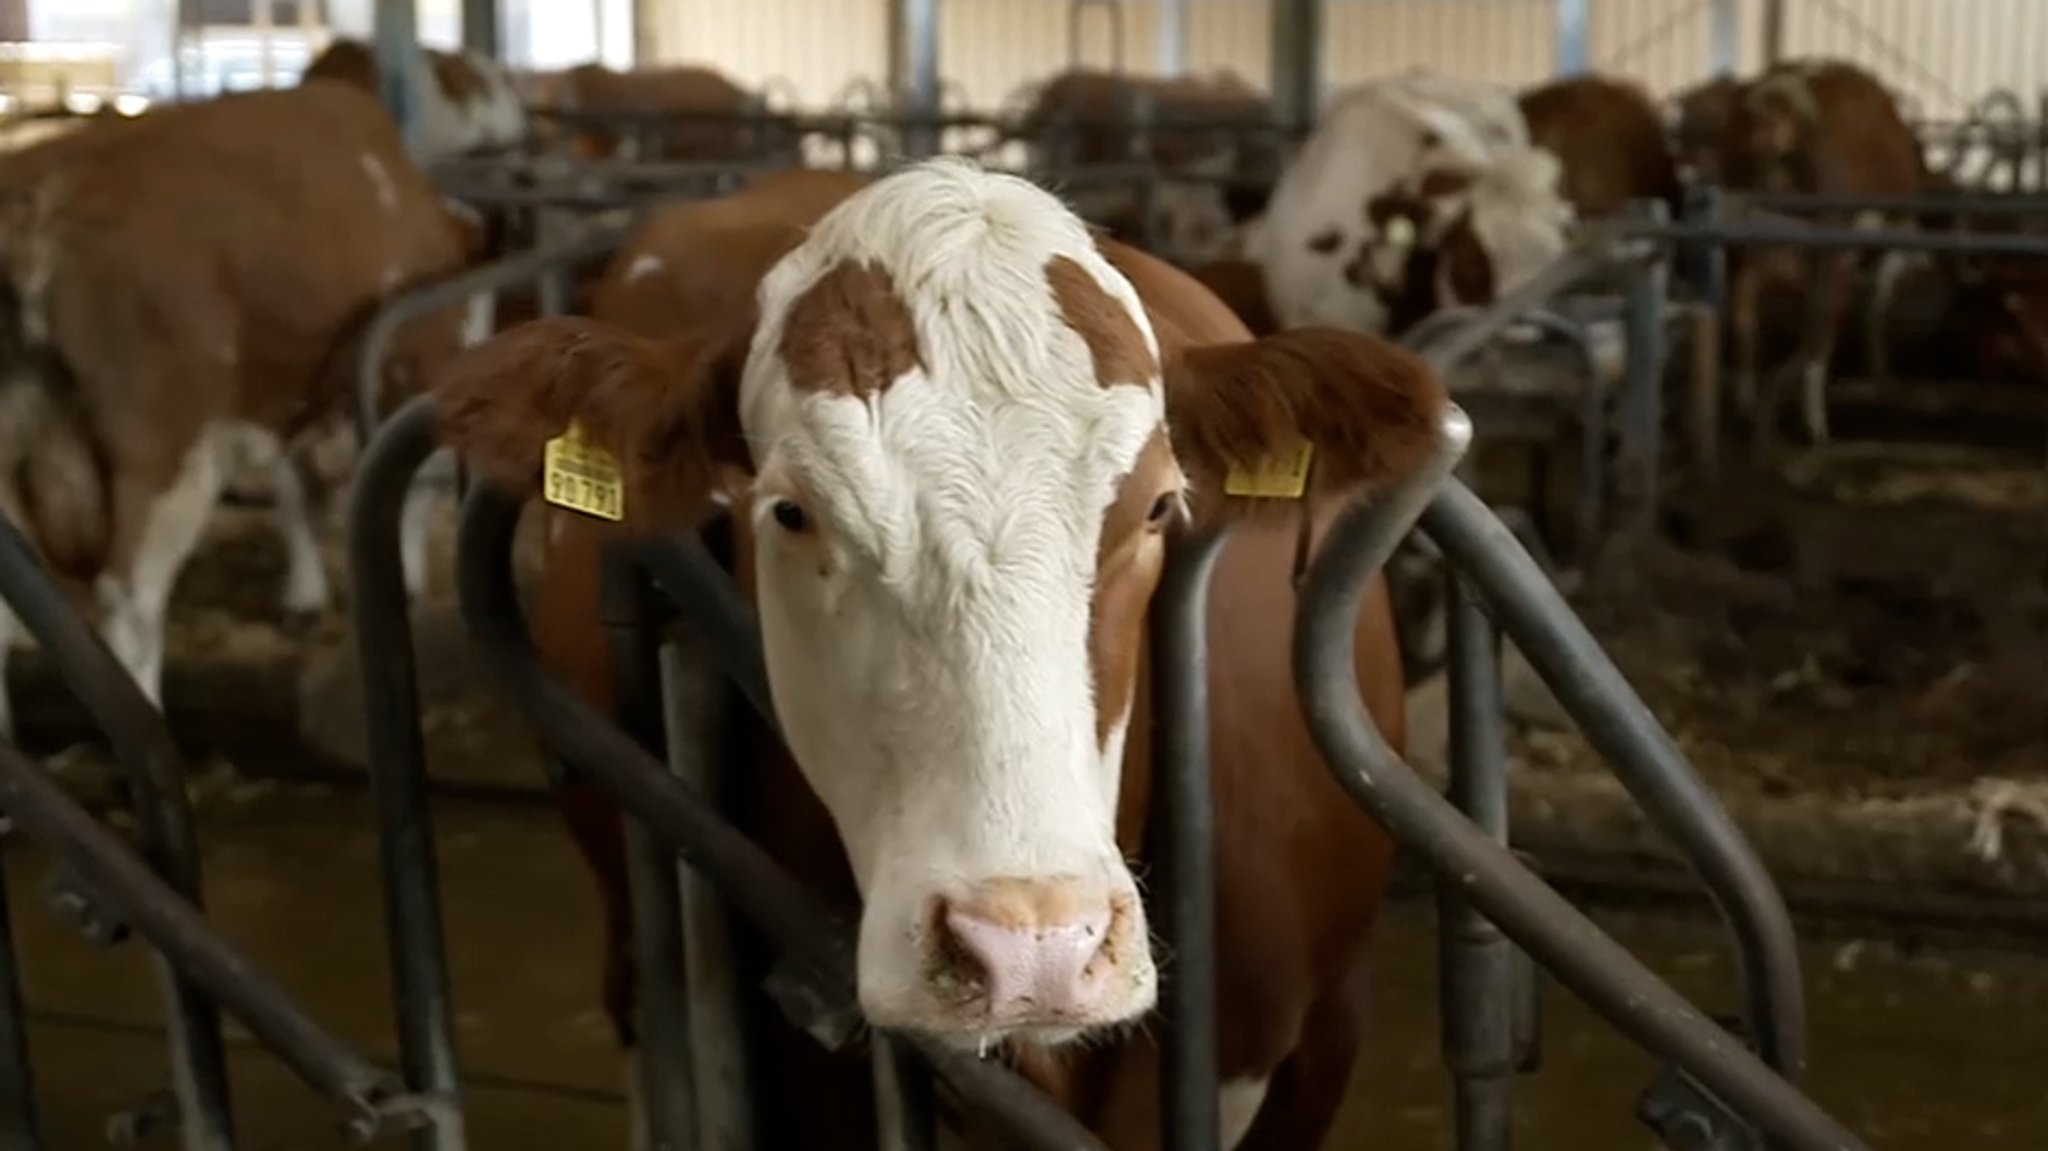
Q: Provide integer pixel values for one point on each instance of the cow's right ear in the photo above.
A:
(667, 412)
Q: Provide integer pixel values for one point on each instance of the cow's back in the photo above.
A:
(233, 240)
(1610, 139)
(1867, 146)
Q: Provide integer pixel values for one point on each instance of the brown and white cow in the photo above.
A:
(467, 102)
(1607, 134)
(1820, 127)
(954, 430)
(1217, 131)
(715, 120)
(183, 292)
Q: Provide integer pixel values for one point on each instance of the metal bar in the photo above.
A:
(1962, 204)
(1297, 61)
(905, 1114)
(1478, 981)
(1773, 32)
(1748, 233)
(667, 1076)
(395, 45)
(1623, 731)
(20, 1127)
(180, 933)
(1173, 37)
(1642, 399)
(1574, 37)
(397, 767)
(480, 31)
(155, 774)
(788, 914)
(1184, 846)
(914, 68)
(695, 699)
(498, 274)
(1557, 934)
(1562, 275)
(1726, 51)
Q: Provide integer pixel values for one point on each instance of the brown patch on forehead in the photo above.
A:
(1115, 342)
(850, 333)
(1125, 577)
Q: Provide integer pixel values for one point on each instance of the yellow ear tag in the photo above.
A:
(1282, 478)
(583, 477)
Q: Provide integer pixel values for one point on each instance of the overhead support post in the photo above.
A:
(1173, 37)
(1774, 31)
(1727, 36)
(480, 30)
(914, 70)
(1574, 37)
(1297, 61)
(396, 42)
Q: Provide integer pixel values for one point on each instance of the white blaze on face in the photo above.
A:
(927, 626)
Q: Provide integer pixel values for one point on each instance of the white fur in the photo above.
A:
(926, 638)
(380, 179)
(447, 128)
(1237, 1104)
(134, 603)
(1386, 134)
(643, 265)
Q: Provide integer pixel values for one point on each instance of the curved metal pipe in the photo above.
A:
(784, 910)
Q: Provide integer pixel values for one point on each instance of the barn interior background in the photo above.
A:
(1848, 648)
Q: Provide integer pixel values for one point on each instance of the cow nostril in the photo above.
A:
(1035, 955)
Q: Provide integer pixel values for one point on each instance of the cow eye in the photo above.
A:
(791, 516)
(1161, 509)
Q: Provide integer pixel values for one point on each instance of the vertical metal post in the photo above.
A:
(398, 773)
(1297, 61)
(396, 42)
(1642, 400)
(19, 1129)
(1574, 37)
(1478, 984)
(1773, 31)
(480, 33)
(914, 70)
(1726, 48)
(1173, 37)
(667, 1079)
(905, 1118)
(695, 698)
(1184, 831)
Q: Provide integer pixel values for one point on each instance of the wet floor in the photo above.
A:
(1917, 1049)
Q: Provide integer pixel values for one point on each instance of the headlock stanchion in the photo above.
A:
(20, 1129)
(817, 940)
(156, 892)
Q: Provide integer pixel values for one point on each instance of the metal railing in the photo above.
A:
(157, 893)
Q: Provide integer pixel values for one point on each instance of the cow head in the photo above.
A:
(1767, 144)
(957, 443)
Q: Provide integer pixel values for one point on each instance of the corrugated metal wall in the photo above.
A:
(1942, 53)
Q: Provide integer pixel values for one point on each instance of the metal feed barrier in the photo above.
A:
(111, 889)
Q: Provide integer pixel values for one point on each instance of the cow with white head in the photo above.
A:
(954, 429)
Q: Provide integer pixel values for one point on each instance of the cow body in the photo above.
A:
(467, 103)
(1415, 192)
(1011, 736)
(715, 120)
(184, 290)
(1821, 128)
(1608, 137)
(1216, 130)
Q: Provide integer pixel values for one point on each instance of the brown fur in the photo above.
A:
(1606, 133)
(703, 92)
(1085, 115)
(850, 333)
(1114, 342)
(1241, 284)
(1302, 870)
(207, 261)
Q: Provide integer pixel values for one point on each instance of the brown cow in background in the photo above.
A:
(712, 118)
(1819, 127)
(1609, 138)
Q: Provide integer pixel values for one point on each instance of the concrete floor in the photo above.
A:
(1918, 1050)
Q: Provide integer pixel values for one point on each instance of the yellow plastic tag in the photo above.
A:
(1282, 478)
(578, 475)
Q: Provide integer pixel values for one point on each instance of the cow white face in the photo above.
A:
(948, 397)
(950, 415)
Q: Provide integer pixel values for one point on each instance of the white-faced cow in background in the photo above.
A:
(953, 430)
(1416, 192)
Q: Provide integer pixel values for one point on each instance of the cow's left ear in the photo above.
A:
(1256, 425)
